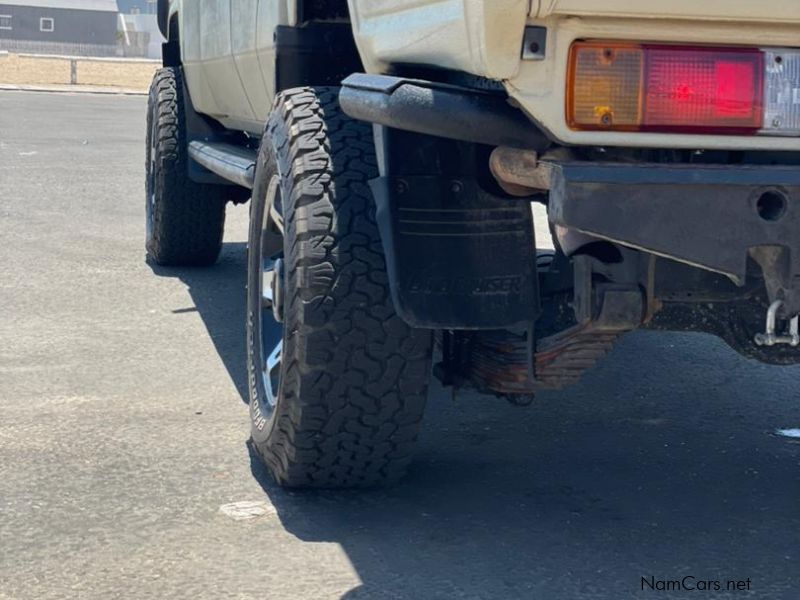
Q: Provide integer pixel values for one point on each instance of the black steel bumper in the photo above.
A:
(713, 217)
(705, 216)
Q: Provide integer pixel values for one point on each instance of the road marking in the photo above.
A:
(790, 433)
(247, 509)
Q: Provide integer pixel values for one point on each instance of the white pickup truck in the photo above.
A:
(392, 151)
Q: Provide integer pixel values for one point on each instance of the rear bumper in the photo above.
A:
(712, 217)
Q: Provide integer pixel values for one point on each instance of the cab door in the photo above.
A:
(232, 106)
(244, 41)
(253, 25)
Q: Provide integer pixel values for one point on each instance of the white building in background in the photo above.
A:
(140, 35)
(135, 7)
(71, 27)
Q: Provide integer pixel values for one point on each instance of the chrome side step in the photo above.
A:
(234, 163)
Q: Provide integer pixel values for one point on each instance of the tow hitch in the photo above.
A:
(770, 338)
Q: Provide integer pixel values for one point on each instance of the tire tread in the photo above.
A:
(188, 217)
(355, 375)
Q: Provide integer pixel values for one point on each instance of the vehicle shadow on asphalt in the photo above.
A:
(219, 297)
(662, 462)
(631, 474)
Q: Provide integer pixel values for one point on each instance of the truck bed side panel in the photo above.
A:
(483, 37)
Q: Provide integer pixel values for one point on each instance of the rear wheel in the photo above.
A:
(184, 219)
(337, 380)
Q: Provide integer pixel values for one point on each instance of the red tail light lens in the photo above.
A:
(628, 87)
(703, 89)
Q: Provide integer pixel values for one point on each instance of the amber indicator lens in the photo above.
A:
(605, 82)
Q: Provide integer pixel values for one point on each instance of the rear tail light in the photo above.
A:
(702, 89)
(645, 87)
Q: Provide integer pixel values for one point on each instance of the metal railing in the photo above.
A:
(69, 49)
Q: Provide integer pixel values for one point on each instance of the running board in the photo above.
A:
(233, 163)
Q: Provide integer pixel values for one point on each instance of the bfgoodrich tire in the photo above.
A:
(185, 220)
(337, 390)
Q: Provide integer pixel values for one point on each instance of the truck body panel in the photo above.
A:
(481, 37)
(484, 38)
(231, 43)
(540, 86)
(228, 55)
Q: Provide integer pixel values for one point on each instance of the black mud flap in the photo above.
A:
(457, 257)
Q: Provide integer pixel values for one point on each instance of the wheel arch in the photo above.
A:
(167, 14)
(319, 10)
(318, 47)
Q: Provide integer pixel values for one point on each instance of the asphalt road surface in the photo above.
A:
(123, 430)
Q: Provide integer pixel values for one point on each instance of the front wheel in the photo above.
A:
(337, 380)
(184, 219)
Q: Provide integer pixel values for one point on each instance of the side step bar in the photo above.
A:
(233, 163)
(440, 110)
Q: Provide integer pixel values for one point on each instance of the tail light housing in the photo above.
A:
(683, 89)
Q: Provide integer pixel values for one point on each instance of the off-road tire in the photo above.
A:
(185, 219)
(354, 376)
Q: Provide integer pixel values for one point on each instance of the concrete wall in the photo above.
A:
(31, 69)
(127, 73)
